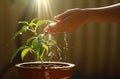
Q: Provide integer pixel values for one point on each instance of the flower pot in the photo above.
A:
(45, 70)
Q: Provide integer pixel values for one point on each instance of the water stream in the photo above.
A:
(66, 46)
(55, 53)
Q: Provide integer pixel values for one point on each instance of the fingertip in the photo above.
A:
(51, 32)
(50, 28)
(57, 18)
(46, 28)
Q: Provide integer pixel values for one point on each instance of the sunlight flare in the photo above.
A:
(44, 9)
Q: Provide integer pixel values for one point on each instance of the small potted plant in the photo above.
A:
(39, 44)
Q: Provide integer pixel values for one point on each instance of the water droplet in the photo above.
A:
(66, 42)
(27, 28)
(20, 33)
(49, 37)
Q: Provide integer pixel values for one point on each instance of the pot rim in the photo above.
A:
(68, 65)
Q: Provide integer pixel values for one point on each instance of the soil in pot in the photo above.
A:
(46, 70)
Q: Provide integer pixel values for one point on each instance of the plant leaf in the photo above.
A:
(40, 22)
(21, 31)
(33, 20)
(24, 52)
(46, 47)
(51, 42)
(32, 24)
(30, 39)
(41, 35)
(23, 22)
(16, 52)
(37, 47)
(41, 46)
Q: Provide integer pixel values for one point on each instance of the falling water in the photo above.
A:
(66, 46)
(66, 41)
(55, 51)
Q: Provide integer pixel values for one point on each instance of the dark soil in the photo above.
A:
(44, 65)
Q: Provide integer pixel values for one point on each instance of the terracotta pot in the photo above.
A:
(28, 71)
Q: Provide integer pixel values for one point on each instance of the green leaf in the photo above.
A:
(33, 20)
(41, 35)
(37, 47)
(46, 47)
(21, 31)
(17, 51)
(41, 47)
(24, 52)
(30, 39)
(23, 22)
(40, 22)
(51, 42)
(32, 24)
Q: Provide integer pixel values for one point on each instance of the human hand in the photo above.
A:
(68, 21)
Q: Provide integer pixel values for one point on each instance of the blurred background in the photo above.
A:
(94, 48)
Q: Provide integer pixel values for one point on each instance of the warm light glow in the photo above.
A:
(44, 10)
